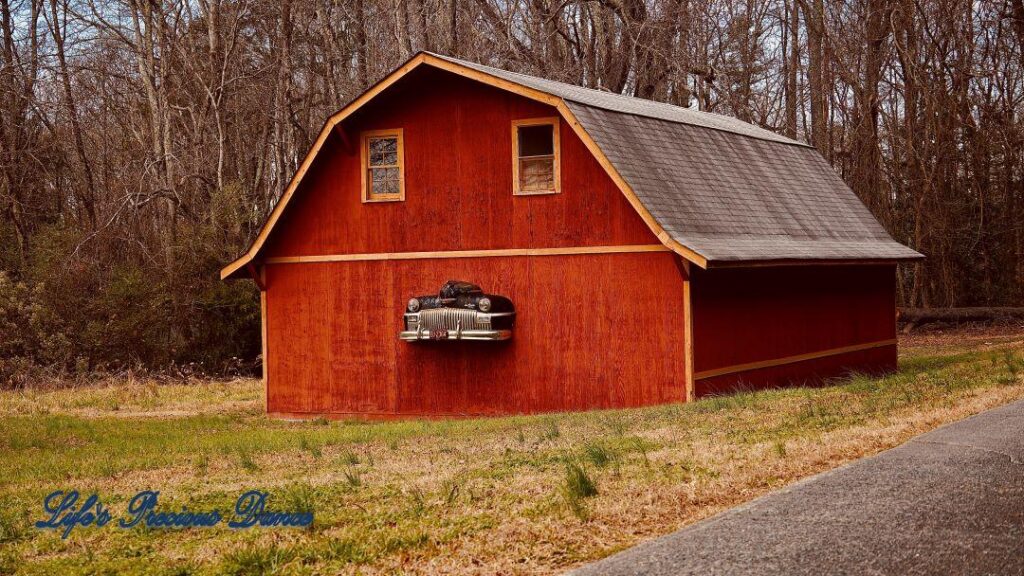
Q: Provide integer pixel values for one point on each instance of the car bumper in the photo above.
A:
(443, 335)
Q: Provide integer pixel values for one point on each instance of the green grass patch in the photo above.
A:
(438, 495)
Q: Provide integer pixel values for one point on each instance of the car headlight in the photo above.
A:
(484, 304)
(414, 304)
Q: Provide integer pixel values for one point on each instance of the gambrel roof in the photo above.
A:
(716, 190)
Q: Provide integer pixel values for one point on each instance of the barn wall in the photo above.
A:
(593, 331)
(751, 315)
(458, 170)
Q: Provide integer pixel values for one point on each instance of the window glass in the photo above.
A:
(383, 167)
(537, 174)
(385, 180)
(536, 140)
(536, 159)
(384, 151)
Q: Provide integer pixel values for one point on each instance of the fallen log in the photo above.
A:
(912, 317)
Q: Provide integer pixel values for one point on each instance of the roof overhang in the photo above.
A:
(240, 268)
(720, 264)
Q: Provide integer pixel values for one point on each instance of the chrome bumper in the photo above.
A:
(447, 324)
(414, 336)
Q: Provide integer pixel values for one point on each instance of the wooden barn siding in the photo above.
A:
(458, 178)
(808, 372)
(749, 315)
(593, 331)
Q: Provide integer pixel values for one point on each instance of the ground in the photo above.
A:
(950, 501)
(502, 495)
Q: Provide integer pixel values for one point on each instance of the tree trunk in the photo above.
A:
(86, 196)
(814, 20)
(791, 65)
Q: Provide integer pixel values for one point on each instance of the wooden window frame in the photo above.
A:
(364, 146)
(554, 122)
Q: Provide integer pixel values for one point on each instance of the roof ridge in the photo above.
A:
(711, 120)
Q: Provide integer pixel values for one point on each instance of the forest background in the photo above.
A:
(143, 142)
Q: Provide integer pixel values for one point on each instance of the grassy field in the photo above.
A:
(505, 495)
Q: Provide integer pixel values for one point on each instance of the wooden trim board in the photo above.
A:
(627, 191)
(429, 59)
(568, 251)
(719, 264)
(328, 127)
(792, 359)
(588, 141)
(688, 337)
(263, 337)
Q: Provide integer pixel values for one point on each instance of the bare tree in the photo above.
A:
(143, 142)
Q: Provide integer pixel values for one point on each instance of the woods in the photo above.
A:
(142, 143)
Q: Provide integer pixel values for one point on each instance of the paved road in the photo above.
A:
(947, 502)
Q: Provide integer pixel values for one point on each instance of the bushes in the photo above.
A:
(108, 309)
(31, 336)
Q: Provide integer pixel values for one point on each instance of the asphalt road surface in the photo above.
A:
(947, 502)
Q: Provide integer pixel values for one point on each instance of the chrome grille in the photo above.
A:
(448, 319)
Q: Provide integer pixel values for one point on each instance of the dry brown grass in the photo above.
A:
(465, 497)
(944, 338)
(127, 396)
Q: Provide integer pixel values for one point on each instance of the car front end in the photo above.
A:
(464, 313)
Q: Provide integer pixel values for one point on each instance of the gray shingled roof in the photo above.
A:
(728, 190)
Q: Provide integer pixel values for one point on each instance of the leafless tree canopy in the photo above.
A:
(142, 143)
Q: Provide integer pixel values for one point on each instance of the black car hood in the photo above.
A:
(456, 288)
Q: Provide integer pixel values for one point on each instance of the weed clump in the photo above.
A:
(578, 486)
(598, 454)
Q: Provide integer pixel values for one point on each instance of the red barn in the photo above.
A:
(652, 253)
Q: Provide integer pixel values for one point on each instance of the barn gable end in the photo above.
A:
(458, 178)
(758, 198)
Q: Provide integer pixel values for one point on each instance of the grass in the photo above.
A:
(531, 494)
(598, 454)
(578, 486)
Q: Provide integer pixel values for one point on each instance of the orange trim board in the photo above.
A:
(568, 251)
(380, 416)
(792, 359)
(263, 338)
(431, 60)
(688, 338)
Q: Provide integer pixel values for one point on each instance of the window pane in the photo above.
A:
(536, 140)
(383, 151)
(384, 181)
(537, 174)
(377, 180)
(379, 186)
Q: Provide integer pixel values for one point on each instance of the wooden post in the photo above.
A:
(688, 311)
(684, 271)
(263, 338)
